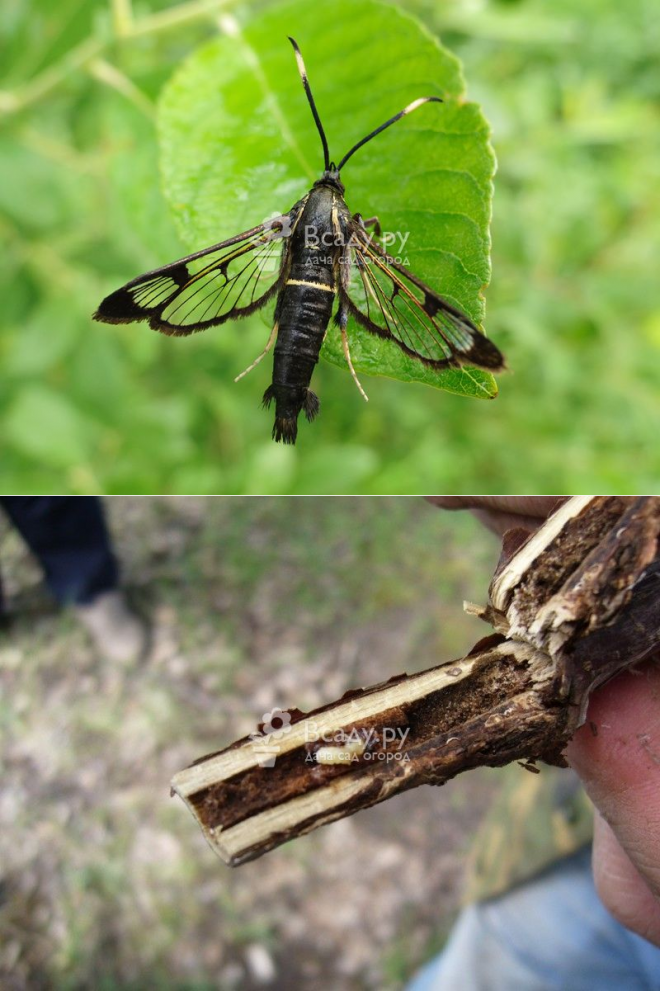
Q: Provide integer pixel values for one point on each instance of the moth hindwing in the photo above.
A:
(305, 258)
(389, 301)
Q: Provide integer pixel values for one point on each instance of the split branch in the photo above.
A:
(571, 606)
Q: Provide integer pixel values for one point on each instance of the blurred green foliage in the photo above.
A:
(572, 94)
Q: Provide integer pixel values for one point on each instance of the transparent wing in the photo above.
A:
(389, 301)
(228, 280)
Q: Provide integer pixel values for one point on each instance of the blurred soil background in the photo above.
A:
(106, 880)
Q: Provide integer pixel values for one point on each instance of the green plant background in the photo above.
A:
(571, 93)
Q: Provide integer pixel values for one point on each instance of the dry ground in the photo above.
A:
(106, 880)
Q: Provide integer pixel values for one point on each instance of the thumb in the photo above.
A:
(617, 755)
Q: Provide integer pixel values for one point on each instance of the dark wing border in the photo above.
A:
(479, 352)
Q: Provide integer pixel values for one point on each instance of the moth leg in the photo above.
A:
(341, 320)
(371, 222)
(271, 341)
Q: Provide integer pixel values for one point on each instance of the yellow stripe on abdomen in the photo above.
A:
(312, 285)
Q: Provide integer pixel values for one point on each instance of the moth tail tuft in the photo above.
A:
(312, 405)
(285, 430)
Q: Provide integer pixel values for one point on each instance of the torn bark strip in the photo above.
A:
(572, 605)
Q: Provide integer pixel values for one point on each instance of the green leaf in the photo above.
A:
(238, 144)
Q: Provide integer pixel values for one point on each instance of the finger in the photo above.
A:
(501, 522)
(621, 887)
(618, 759)
(502, 513)
(534, 506)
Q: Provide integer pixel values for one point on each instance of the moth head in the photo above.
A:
(331, 178)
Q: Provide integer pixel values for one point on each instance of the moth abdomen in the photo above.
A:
(290, 401)
(304, 310)
(285, 429)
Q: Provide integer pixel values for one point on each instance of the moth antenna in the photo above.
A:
(402, 113)
(303, 75)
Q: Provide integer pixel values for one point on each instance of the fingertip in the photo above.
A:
(624, 892)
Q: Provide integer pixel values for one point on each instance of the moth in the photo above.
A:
(320, 253)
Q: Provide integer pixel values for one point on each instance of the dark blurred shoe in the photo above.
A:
(118, 634)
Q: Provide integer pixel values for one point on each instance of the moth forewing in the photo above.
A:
(228, 280)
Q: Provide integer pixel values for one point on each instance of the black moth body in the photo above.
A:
(318, 251)
(302, 314)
